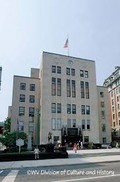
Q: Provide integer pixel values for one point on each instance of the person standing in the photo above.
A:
(36, 152)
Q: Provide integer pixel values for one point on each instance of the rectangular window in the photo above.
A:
(67, 71)
(58, 86)
(31, 111)
(81, 73)
(55, 138)
(87, 90)
(83, 109)
(86, 74)
(21, 111)
(73, 89)
(87, 110)
(58, 69)
(82, 89)
(73, 109)
(83, 124)
(88, 124)
(53, 69)
(32, 87)
(53, 124)
(53, 107)
(104, 140)
(103, 114)
(22, 98)
(58, 108)
(72, 72)
(68, 123)
(22, 86)
(74, 123)
(20, 125)
(103, 127)
(102, 104)
(53, 90)
(101, 94)
(86, 139)
(58, 123)
(68, 108)
(31, 98)
(68, 88)
(31, 127)
(113, 116)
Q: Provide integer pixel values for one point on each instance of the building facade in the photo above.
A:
(104, 115)
(26, 105)
(64, 103)
(113, 85)
(68, 99)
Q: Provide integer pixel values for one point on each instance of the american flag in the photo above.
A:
(66, 43)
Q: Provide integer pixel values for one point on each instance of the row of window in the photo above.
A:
(20, 127)
(70, 88)
(71, 108)
(22, 111)
(31, 98)
(69, 71)
(23, 87)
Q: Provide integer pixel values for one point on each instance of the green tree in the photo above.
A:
(7, 125)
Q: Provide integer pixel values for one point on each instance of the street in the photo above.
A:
(101, 172)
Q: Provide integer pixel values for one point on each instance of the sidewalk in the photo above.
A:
(69, 161)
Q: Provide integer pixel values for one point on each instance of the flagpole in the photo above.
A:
(68, 44)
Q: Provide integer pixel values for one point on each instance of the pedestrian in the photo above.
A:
(75, 147)
(36, 152)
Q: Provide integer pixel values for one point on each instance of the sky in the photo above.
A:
(29, 27)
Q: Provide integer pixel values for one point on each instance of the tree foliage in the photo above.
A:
(9, 139)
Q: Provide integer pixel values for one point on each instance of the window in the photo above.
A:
(113, 109)
(53, 107)
(53, 90)
(104, 140)
(58, 69)
(86, 139)
(86, 74)
(20, 125)
(88, 124)
(22, 98)
(87, 90)
(88, 110)
(83, 124)
(68, 108)
(58, 86)
(113, 116)
(67, 71)
(72, 72)
(21, 111)
(68, 88)
(112, 101)
(31, 127)
(73, 109)
(32, 87)
(58, 108)
(73, 89)
(103, 114)
(53, 123)
(56, 138)
(82, 89)
(74, 123)
(31, 98)
(81, 73)
(114, 124)
(22, 86)
(102, 104)
(53, 69)
(101, 94)
(68, 123)
(119, 114)
(103, 127)
(82, 109)
(31, 111)
(117, 98)
(58, 123)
